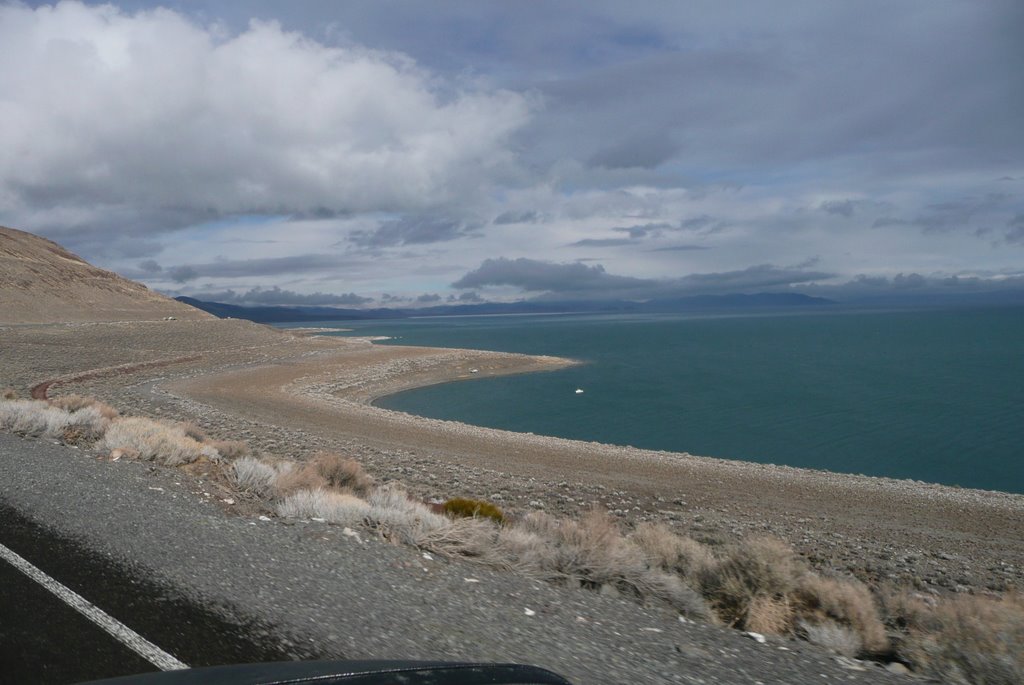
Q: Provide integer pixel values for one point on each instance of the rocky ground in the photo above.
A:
(291, 396)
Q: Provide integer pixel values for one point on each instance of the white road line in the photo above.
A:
(119, 631)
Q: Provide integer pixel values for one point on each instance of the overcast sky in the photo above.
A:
(369, 153)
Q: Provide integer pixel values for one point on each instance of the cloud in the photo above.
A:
(644, 230)
(840, 207)
(641, 151)
(117, 115)
(469, 297)
(428, 298)
(603, 242)
(533, 275)
(516, 217)
(954, 215)
(1016, 232)
(247, 268)
(576, 280)
(277, 296)
(411, 230)
(150, 266)
(679, 248)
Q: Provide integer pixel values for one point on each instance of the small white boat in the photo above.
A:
(579, 391)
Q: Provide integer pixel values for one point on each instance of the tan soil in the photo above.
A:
(41, 282)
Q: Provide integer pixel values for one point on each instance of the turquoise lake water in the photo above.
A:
(930, 395)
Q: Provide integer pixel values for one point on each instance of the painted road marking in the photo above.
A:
(119, 631)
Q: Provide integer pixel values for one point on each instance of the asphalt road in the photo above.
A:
(44, 640)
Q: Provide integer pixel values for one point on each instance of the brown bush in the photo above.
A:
(298, 478)
(231, 449)
(769, 615)
(965, 639)
(670, 552)
(9, 394)
(74, 403)
(756, 568)
(848, 603)
(193, 431)
(342, 473)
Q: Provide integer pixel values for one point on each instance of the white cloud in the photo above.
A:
(103, 110)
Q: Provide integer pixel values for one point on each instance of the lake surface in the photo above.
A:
(929, 395)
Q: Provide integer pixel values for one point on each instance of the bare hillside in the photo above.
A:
(41, 282)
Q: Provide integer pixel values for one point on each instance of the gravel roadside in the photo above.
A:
(329, 594)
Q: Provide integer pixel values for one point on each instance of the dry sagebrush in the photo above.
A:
(40, 419)
(151, 440)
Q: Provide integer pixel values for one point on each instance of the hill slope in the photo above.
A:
(41, 282)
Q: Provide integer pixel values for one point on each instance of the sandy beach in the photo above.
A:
(292, 395)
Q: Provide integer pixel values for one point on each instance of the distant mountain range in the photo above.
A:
(701, 303)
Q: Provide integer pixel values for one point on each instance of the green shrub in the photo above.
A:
(462, 507)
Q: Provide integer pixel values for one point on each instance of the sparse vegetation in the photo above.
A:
(155, 441)
(342, 473)
(757, 584)
(40, 419)
(9, 394)
(462, 507)
(963, 639)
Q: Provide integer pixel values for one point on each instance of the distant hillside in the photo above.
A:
(41, 282)
(676, 305)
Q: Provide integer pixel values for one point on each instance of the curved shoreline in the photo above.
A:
(358, 377)
(280, 393)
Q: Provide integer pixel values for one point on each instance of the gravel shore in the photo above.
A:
(292, 395)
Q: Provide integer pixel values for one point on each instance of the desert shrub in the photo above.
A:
(74, 403)
(759, 569)
(671, 552)
(9, 394)
(334, 507)
(37, 418)
(768, 614)
(252, 475)
(230, 449)
(155, 441)
(594, 553)
(342, 473)
(404, 520)
(292, 478)
(462, 507)
(193, 431)
(847, 603)
(964, 639)
(831, 635)
(528, 552)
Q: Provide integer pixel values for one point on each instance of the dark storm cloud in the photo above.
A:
(150, 266)
(277, 296)
(428, 298)
(411, 230)
(267, 266)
